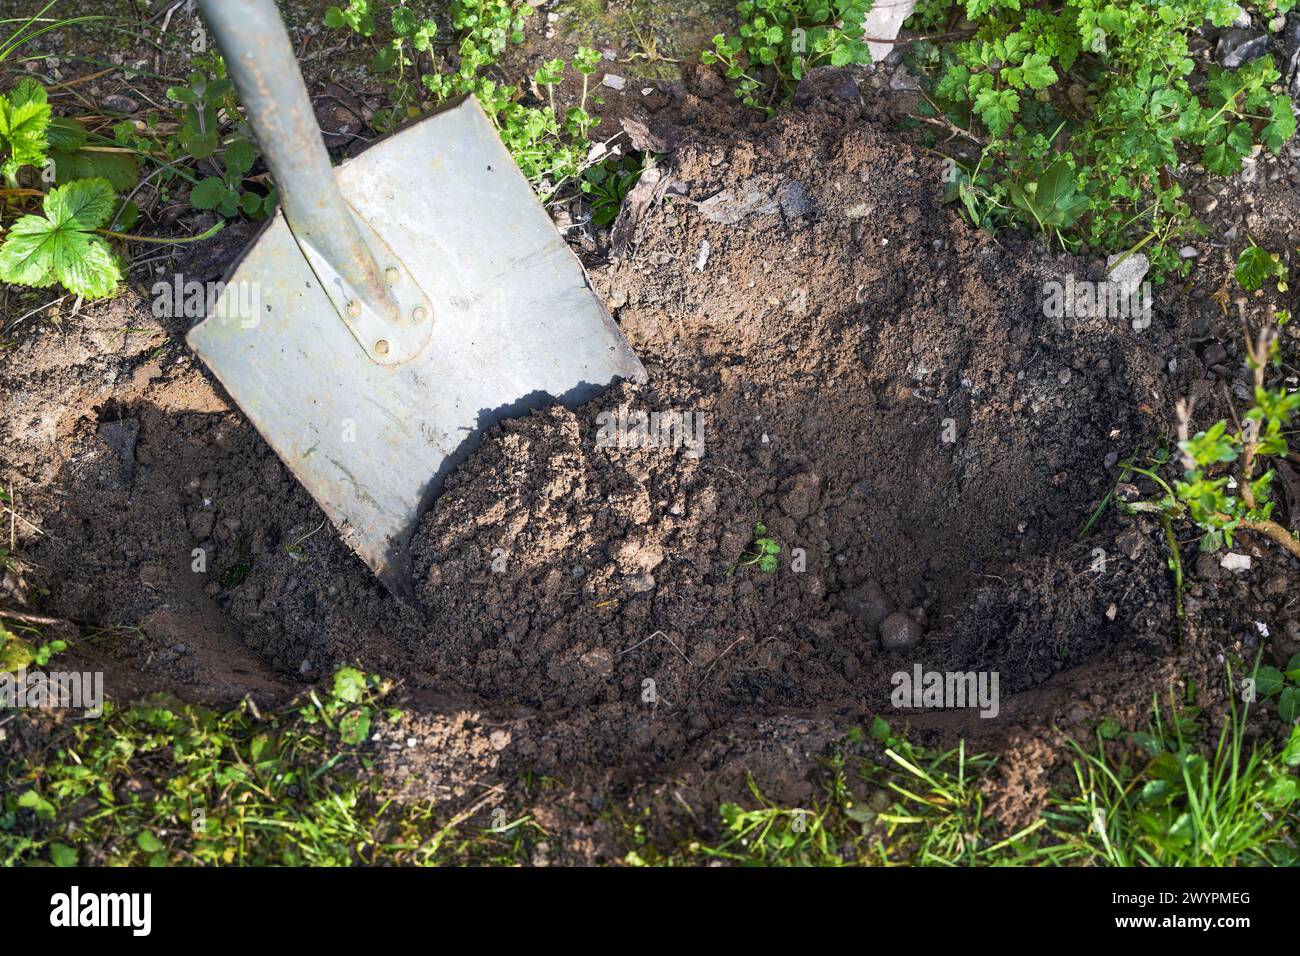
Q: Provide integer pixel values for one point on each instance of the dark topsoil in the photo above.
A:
(879, 386)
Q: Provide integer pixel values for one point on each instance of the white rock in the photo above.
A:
(1128, 273)
(613, 81)
(1235, 562)
(702, 259)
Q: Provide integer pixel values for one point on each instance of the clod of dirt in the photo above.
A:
(899, 632)
(867, 603)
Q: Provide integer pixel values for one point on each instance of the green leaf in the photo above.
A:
(404, 21)
(24, 117)
(239, 158)
(62, 855)
(1282, 126)
(209, 193)
(31, 800)
(120, 169)
(1291, 753)
(997, 108)
(384, 60)
(61, 246)
(1037, 71)
(349, 684)
(1268, 681)
(146, 841)
(65, 135)
(200, 145)
(1288, 704)
(1254, 266)
(354, 727)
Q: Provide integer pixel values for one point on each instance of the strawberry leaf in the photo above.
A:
(61, 246)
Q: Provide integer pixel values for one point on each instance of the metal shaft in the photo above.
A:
(262, 65)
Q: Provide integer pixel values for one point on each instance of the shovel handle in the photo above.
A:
(265, 72)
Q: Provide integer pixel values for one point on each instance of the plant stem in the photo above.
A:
(162, 241)
(1176, 565)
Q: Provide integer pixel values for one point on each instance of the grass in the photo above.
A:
(162, 782)
(1152, 798)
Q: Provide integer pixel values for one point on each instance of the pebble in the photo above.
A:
(613, 81)
(1127, 271)
(1233, 561)
(702, 259)
(1189, 252)
(1240, 46)
(898, 632)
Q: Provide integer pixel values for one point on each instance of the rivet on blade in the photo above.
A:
(381, 347)
(391, 275)
(419, 313)
(354, 309)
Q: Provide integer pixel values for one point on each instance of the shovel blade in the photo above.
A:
(515, 327)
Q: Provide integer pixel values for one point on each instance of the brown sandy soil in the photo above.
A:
(878, 384)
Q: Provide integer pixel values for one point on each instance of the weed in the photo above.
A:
(779, 41)
(761, 551)
(231, 156)
(1255, 266)
(607, 185)
(1180, 807)
(1284, 685)
(162, 782)
(1093, 99)
(1218, 498)
(1145, 798)
(233, 575)
(550, 146)
(17, 652)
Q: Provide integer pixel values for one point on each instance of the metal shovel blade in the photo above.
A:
(514, 327)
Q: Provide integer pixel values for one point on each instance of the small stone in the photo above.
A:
(702, 259)
(1127, 271)
(1232, 561)
(1189, 252)
(119, 103)
(613, 81)
(499, 739)
(903, 82)
(1131, 542)
(898, 632)
(794, 200)
(1240, 46)
(1206, 204)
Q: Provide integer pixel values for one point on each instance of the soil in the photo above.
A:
(878, 385)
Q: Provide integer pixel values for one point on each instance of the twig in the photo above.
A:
(24, 618)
